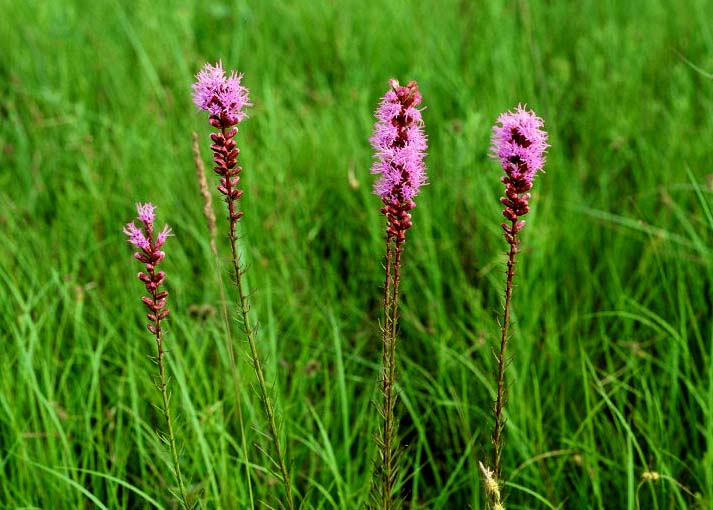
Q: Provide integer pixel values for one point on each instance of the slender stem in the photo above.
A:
(386, 329)
(235, 377)
(498, 439)
(167, 413)
(250, 334)
(210, 217)
(393, 424)
(259, 372)
(387, 362)
(238, 401)
(395, 300)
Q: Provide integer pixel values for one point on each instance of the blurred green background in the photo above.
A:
(612, 373)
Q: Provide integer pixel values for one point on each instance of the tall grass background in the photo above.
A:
(612, 376)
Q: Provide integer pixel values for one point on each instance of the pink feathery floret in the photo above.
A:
(141, 237)
(221, 95)
(147, 212)
(400, 144)
(136, 237)
(519, 142)
(162, 236)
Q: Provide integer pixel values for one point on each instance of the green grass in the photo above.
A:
(612, 373)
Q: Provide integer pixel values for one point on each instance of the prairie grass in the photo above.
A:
(612, 378)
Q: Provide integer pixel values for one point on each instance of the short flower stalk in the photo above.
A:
(225, 99)
(519, 144)
(149, 244)
(400, 145)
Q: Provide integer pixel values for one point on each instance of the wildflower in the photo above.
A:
(222, 96)
(225, 99)
(401, 147)
(400, 144)
(149, 243)
(519, 144)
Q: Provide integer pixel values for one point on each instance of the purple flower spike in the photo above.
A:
(151, 256)
(147, 212)
(400, 145)
(225, 99)
(222, 96)
(136, 237)
(162, 236)
(519, 143)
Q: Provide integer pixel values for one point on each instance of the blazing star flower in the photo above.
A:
(142, 238)
(162, 236)
(147, 212)
(136, 236)
(400, 144)
(520, 143)
(151, 256)
(225, 99)
(222, 96)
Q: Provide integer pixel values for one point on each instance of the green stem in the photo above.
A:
(250, 334)
(395, 303)
(257, 366)
(234, 372)
(387, 361)
(210, 218)
(394, 446)
(167, 414)
(498, 438)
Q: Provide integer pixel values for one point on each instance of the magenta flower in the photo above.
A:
(400, 145)
(519, 143)
(150, 254)
(225, 99)
(222, 96)
(149, 243)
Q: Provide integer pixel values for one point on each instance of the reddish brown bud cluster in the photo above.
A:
(225, 155)
(220, 121)
(519, 143)
(398, 219)
(516, 202)
(152, 279)
(150, 255)
(407, 96)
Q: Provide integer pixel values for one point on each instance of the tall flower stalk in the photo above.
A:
(400, 145)
(519, 144)
(225, 100)
(213, 233)
(149, 244)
